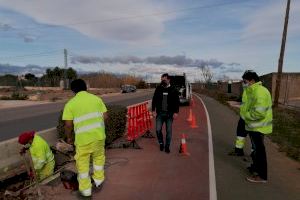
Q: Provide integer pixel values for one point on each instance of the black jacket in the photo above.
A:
(173, 99)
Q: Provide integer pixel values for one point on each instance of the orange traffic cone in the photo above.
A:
(183, 147)
(190, 116)
(194, 123)
(192, 102)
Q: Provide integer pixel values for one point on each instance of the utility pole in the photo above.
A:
(281, 57)
(66, 85)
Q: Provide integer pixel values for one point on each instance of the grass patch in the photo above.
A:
(286, 131)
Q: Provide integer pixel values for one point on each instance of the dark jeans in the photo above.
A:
(161, 118)
(259, 156)
(240, 129)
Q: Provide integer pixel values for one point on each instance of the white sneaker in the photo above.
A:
(98, 183)
(256, 179)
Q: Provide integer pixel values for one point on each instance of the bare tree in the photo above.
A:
(206, 73)
(108, 80)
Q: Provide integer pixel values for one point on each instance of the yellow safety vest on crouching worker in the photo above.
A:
(87, 117)
(41, 153)
(258, 115)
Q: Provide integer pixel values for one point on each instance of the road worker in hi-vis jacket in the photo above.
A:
(258, 123)
(85, 113)
(41, 154)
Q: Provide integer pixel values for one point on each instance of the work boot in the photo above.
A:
(80, 196)
(161, 147)
(252, 170)
(236, 152)
(167, 149)
(97, 188)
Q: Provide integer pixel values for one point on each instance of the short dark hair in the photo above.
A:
(78, 85)
(250, 75)
(166, 75)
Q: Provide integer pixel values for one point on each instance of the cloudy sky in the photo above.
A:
(150, 37)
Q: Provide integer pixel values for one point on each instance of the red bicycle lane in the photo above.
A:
(151, 174)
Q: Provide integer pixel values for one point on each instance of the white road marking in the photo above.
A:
(212, 176)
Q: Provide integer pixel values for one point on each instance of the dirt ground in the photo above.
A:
(39, 95)
(11, 189)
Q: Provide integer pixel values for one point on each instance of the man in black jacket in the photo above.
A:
(165, 107)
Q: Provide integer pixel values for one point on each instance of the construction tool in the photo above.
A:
(36, 179)
(23, 155)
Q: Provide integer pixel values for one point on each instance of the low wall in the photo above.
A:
(11, 162)
(43, 88)
(236, 88)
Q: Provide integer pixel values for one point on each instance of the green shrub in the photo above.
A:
(60, 128)
(115, 124)
(15, 96)
(18, 96)
(5, 98)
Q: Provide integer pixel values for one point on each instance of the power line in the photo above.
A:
(118, 19)
(48, 53)
(154, 14)
(140, 16)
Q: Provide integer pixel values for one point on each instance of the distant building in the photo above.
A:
(289, 88)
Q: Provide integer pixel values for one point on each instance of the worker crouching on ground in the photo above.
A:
(85, 114)
(41, 154)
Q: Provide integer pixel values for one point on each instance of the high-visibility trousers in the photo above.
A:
(46, 171)
(241, 134)
(83, 154)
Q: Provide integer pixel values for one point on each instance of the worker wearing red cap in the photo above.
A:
(41, 154)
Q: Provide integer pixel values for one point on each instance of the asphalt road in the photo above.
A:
(13, 121)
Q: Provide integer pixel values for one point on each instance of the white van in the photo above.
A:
(183, 86)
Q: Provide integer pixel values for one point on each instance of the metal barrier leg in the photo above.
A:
(125, 144)
(133, 145)
(148, 134)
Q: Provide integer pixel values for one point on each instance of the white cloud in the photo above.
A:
(103, 20)
(152, 72)
(266, 23)
(178, 60)
(248, 33)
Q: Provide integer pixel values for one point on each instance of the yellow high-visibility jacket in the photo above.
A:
(258, 109)
(40, 152)
(86, 110)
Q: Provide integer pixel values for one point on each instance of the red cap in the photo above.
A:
(26, 136)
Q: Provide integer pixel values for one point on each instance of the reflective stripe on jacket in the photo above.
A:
(40, 152)
(86, 111)
(258, 114)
